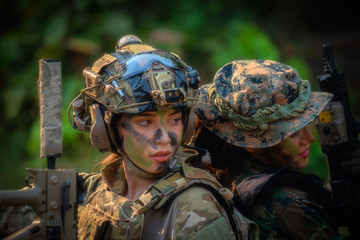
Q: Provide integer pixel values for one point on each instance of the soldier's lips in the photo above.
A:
(161, 156)
(305, 153)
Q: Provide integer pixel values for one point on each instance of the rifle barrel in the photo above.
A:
(31, 197)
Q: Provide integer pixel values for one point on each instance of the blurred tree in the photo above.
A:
(206, 34)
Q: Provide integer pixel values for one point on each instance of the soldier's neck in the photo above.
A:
(136, 186)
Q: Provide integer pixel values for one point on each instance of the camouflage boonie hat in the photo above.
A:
(258, 103)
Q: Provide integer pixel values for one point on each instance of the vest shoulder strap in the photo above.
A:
(158, 192)
(253, 188)
(166, 190)
(170, 186)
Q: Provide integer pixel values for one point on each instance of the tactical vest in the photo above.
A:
(110, 216)
(254, 188)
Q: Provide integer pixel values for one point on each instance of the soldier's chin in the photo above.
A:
(162, 167)
(300, 163)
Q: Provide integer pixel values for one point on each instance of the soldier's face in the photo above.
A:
(151, 139)
(294, 151)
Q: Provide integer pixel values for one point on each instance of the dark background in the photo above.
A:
(206, 34)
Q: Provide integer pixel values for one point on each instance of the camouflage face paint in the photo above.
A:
(151, 139)
(129, 127)
(129, 146)
(157, 136)
(290, 147)
(163, 167)
(293, 152)
(277, 156)
(133, 151)
(173, 138)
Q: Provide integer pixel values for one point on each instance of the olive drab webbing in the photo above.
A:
(110, 216)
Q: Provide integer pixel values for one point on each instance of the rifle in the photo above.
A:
(52, 194)
(338, 135)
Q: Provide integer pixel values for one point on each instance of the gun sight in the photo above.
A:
(328, 58)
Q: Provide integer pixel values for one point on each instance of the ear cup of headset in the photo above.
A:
(79, 115)
(98, 133)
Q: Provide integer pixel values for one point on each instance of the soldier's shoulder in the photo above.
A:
(200, 216)
(290, 193)
(278, 199)
(90, 181)
(197, 196)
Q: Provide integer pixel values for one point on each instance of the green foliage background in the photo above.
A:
(206, 34)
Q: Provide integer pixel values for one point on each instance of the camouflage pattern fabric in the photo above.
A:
(132, 93)
(257, 103)
(193, 214)
(286, 212)
(13, 219)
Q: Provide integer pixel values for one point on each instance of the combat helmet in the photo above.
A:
(134, 79)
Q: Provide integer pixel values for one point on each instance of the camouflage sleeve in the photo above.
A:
(288, 213)
(200, 216)
(91, 181)
(13, 219)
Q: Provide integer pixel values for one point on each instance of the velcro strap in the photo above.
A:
(157, 192)
(146, 201)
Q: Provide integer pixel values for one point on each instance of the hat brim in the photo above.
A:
(210, 116)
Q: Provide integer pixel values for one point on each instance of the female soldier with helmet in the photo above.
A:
(135, 104)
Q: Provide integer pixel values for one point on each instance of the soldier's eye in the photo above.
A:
(295, 134)
(144, 123)
(175, 121)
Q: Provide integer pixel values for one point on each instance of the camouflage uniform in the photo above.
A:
(13, 219)
(188, 209)
(192, 213)
(291, 208)
(182, 202)
(257, 104)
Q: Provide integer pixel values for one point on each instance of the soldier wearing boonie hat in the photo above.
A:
(254, 121)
